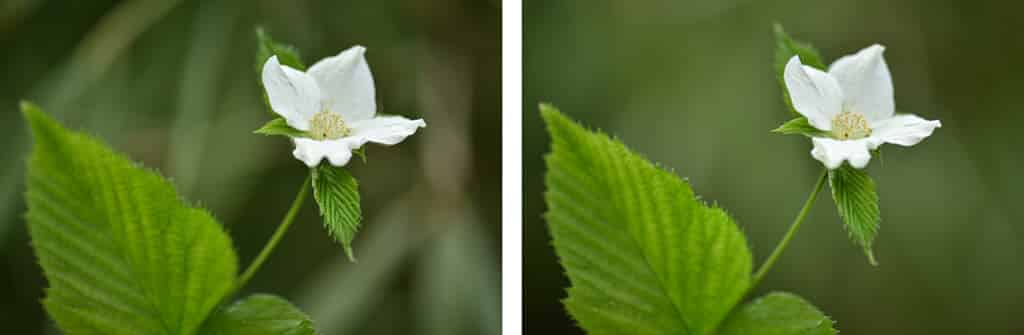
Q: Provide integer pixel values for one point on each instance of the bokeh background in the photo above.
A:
(173, 84)
(690, 84)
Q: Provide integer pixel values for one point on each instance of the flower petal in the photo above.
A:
(814, 93)
(292, 94)
(905, 129)
(311, 152)
(347, 84)
(387, 130)
(832, 152)
(866, 83)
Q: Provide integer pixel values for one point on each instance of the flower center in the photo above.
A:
(850, 126)
(327, 126)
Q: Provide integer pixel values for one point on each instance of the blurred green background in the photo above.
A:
(173, 85)
(690, 84)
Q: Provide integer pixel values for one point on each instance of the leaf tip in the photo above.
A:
(38, 122)
(31, 111)
(777, 29)
(871, 256)
(348, 253)
(546, 109)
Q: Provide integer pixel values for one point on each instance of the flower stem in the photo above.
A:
(281, 229)
(789, 234)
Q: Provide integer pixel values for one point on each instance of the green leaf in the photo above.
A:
(785, 48)
(267, 47)
(279, 126)
(778, 313)
(799, 126)
(857, 201)
(259, 314)
(121, 252)
(644, 256)
(337, 193)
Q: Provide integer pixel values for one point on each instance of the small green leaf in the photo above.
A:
(857, 201)
(799, 126)
(267, 47)
(786, 48)
(778, 313)
(644, 256)
(259, 314)
(279, 126)
(120, 250)
(337, 193)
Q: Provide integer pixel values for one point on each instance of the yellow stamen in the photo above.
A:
(327, 126)
(850, 126)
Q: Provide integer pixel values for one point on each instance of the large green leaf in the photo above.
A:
(337, 194)
(857, 201)
(778, 314)
(643, 254)
(785, 48)
(259, 314)
(121, 252)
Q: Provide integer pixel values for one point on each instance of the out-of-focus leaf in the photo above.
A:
(449, 302)
(644, 256)
(341, 297)
(200, 91)
(259, 314)
(121, 252)
(778, 313)
(857, 201)
(337, 194)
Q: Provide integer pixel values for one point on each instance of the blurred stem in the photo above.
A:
(792, 231)
(281, 229)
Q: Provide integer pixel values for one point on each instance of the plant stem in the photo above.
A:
(789, 234)
(281, 229)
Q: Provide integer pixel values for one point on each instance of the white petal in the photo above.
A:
(832, 152)
(866, 83)
(905, 129)
(311, 152)
(347, 84)
(387, 130)
(814, 93)
(293, 95)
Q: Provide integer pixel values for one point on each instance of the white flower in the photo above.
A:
(853, 103)
(334, 103)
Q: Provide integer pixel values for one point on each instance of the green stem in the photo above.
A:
(281, 229)
(789, 234)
